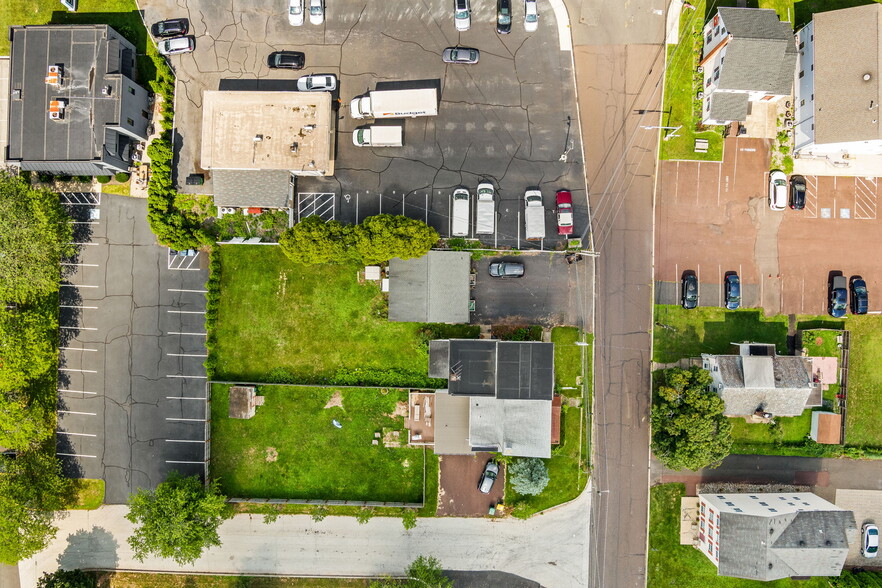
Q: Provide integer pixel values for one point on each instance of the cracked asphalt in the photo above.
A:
(510, 118)
(131, 400)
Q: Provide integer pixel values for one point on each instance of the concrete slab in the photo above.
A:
(867, 508)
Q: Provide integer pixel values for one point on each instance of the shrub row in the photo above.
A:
(212, 299)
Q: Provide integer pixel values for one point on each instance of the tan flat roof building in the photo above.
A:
(267, 131)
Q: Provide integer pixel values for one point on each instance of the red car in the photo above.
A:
(564, 212)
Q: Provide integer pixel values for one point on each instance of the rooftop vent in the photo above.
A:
(294, 147)
(867, 77)
(258, 138)
(16, 94)
(54, 75)
(107, 90)
(56, 109)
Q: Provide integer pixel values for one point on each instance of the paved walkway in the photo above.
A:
(551, 549)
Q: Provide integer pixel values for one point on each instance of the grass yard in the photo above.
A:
(681, 333)
(135, 580)
(821, 342)
(290, 449)
(119, 189)
(864, 382)
(89, 494)
(683, 566)
(282, 322)
(680, 107)
(751, 437)
(568, 356)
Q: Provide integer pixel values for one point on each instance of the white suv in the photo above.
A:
(462, 11)
(177, 45)
(777, 190)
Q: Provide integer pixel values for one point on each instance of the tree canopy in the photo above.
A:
(384, 236)
(67, 579)
(422, 572)
(34, 236)
(178, 520)
(313, 241)
(27, 343)
(689, 430)
(528, 475)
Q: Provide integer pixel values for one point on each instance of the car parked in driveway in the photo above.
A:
(316, 11)
(286, 60)
(317, 83)
(295, 12)
(531, 16)
(564, 212)
(870, 543)
(777, 190)
(733, 291)
(838, 296)
(689, 291)
(503, 17)
(465, 55)
(174, 27)
(797, 192)
(491, 472)
(177, 45)
(860, 301)
(506, 269)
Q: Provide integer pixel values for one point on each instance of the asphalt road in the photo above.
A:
(619, 62)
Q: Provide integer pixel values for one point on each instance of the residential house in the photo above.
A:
(748, 56)
(759, 381)
(839, 84)
(433, 288)
(74, 107)
(499, 396)
(770, 536)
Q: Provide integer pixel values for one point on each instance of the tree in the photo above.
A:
(313, 241)
(421, 573)
(409, 519)
(384, 236)
(178, 520)
(364, 514)
(32, 491)
(528, 475)
(688, 427)
(23, 424)
(35, 234)
(67, 579)
(27, 343)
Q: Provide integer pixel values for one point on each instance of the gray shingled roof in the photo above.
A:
(808, 543)
(513, 427)
(781, 385)
(433, 288)
(728, 106)
(255, 188)
(847, 46)
(761, 55)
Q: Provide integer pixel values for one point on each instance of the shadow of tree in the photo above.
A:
(90, 550)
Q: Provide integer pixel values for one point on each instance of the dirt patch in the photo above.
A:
(391, 438)
(336, 400)
(272, 454)
(400, 410)
(819, 341)
(405, 463)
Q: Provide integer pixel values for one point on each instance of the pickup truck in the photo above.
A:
(485, 215)
(534, 215)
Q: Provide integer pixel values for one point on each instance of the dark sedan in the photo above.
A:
(503, 17)
(860, 301)
(733, 291)
(174, 27)
(838, 297)
(689, 296)
(797, 192)
(286, 60)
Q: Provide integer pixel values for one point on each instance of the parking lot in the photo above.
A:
(131, 383)
(713, 218)
(510, 118)
(458, 493)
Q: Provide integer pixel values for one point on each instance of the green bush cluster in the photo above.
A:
(366, 377)
(212, 300)
(121, 177)
(103, 179)
(517, 333)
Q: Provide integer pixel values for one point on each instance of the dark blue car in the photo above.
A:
(733, 291)
(838, 297)
(859, 299)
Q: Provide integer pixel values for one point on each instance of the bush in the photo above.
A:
(83, 179)
(384, 236)
(103, 179)
(64, 178)
(528, 476)
(45, 177)
(67, 579)
(121, 177)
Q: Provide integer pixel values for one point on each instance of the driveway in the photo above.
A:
(551, 292)
(510, 118)
(550, 549)
(131, 383)
(867, 508)
(458, 494)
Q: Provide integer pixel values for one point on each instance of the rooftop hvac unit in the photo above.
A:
(258, 138)
(107, 90)
(295, 147)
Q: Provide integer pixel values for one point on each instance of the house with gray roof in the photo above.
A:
(433, 288)
(748, 55)
(498, 398)
(759, 381)
(74, 107)
(839, 86)
(769, 536)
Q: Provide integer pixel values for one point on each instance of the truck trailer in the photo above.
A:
(395, 104)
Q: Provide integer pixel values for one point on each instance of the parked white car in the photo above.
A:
(462, 14)
(870, 545)
(177, 45)
(317, 83)
(295, 12)
(777, 190)
(316, 11)
(531, 16)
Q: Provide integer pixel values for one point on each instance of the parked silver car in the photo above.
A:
(491, 471)
(177, 45)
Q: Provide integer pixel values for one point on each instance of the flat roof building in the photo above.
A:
(74, 107)
(433, 288)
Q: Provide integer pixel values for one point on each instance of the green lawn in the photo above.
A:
(792, 431)
(89, 494)
(291, 449)
(567, 356)
(864, 382)
(278, 321)
(682, 82)
(821, 342)
(689, 333)
(683, 566)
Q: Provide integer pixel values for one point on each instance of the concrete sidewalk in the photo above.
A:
(551, 549)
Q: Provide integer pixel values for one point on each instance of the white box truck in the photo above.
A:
(534, 215)
(485, 214)
(378, 136)
(395, 104)
(461, 217)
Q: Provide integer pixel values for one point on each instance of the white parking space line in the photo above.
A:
(185, 398)
(75, 306)
(82, 264)
(87, 244)
(187, 354)
(79, 328)
(75, 412)
(187, 420)
(187, 311)
(75, 434)
(78, 392)
(182, 262)
(182, 290)
(76, 455)
(76, 286)
(76, 370)
(77, 349)
(85, 222)
(865, 198)
(195, 377)
(194, 462)
(185, 441)
(195, 334)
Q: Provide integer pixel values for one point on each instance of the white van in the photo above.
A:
(378, 136)
(461, 218)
